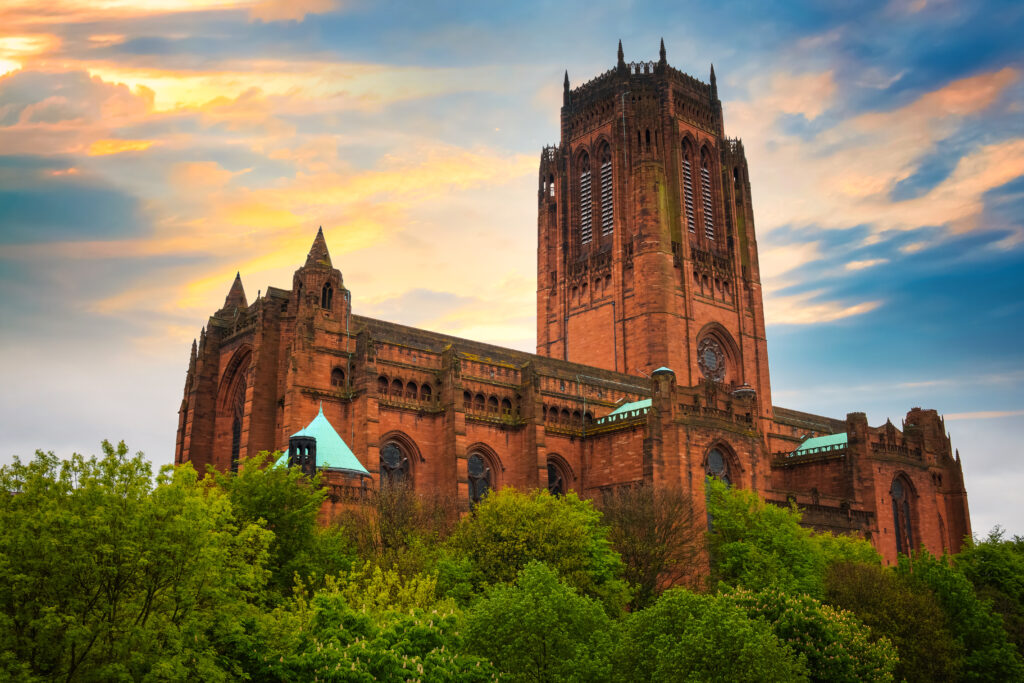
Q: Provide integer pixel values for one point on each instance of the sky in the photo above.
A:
(149, 149)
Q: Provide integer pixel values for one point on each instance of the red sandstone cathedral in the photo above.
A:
(651, 365)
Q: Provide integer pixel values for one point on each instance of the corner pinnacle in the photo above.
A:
(661, 52)
(622, 58)
(236, 295)
(318, 254)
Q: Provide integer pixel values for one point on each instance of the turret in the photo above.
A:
(318, 284)
(236, 296)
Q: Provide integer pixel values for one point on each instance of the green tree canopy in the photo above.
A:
(758, 545)
(541, 630)
(685, 636)
(909, 616)
(834, 643)
(107, 575)
(509, 529)
(995, 567)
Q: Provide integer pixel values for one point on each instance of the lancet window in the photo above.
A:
(900, 494)
(479, 477)
(691, 222)
(394, 465)
(586, 202)
(326, 296)
(705, 195)
(607, 200)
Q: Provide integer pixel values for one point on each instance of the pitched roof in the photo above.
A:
(332, 452)
(828, 442)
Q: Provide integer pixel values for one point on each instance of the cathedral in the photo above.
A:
(651, 366)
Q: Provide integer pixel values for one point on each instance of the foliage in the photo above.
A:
(400, 527)
(371, 588)
(834, 643)
(287, 502)
(757, 545)
(659, 538)
(989, 654)
(911, 618)
(685, 636)
(509, 529)
(105, 577)
(541, 629)
(995, 567)
(326, 639)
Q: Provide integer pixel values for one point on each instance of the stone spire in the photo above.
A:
(192, 359)
(318, 254)
(565, 88)
(714, 84)
(236, 296)
(661, 54)
(622, 58)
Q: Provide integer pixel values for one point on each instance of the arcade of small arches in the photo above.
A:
(401, 390)
(487, 405)
(558, 416)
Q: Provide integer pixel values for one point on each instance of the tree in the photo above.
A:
(659, 537)
(685, 636)
(911, 618)
(106, 576)
(834, 643)
(989, 654)
(287, 502)
(757, 545)
(995, 567)
(540, 629)
(509, 529)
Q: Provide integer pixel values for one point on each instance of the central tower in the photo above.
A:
(646, 249)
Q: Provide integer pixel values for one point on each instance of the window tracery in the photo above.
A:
(479, 477)
(394, 465)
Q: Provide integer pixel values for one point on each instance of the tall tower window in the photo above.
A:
(238, 409)
(900, 493)
(326, 296)
(607, 207)
(586, 202)
(705, 195)
(691, 222)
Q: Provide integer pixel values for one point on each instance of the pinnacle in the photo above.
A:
(622, 58)
(661, 51)
(236, 295)
(318, 254)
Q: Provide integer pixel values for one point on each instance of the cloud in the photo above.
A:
(104, 147)
(290, 10)
(984, 415)
(866, 263)
(806, 309)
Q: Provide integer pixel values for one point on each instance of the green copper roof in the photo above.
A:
(331, 450)
(819, 444)
(626, 411)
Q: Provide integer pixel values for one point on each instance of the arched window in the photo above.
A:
(607, 201)
(718, 466)
(705, 195)
(425, 392)
(479, 477)
(900, 493)
(238, 408)
(337, 377)
(586, 202)
(396, 388)
(506, 407)
(382, 385)
(551, 185)
(326, 296)
(394, 465)
(558, 479)
(467, 400)
(492, 405)
(478, 403)
(411, 390)
(691, 222)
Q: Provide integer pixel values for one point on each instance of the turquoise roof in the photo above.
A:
(331, 450)
(822, 443)
(663, 369)
(627, 407)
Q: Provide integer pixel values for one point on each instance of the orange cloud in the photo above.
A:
(105, 147)
(290, 10)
